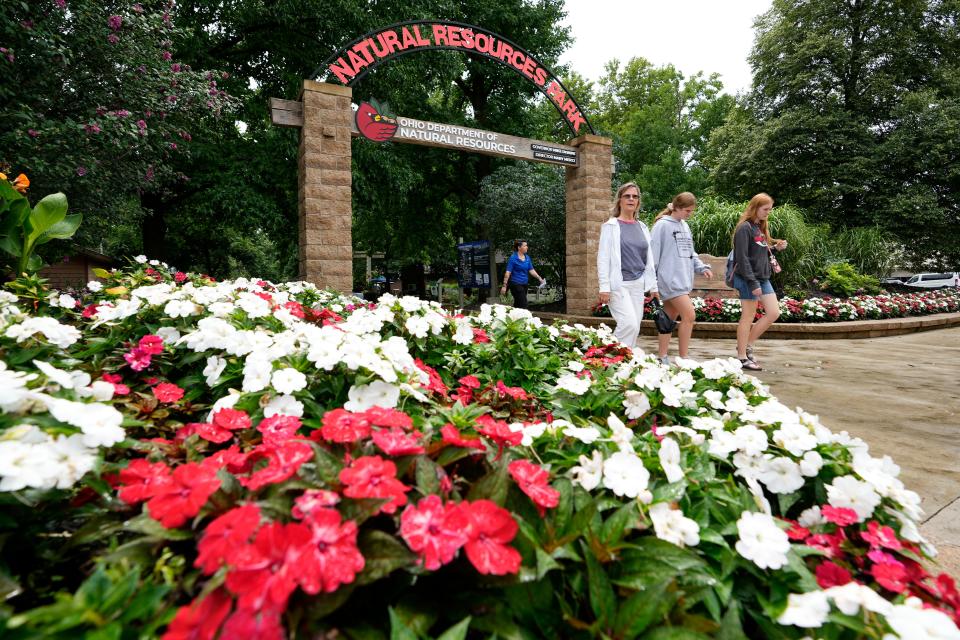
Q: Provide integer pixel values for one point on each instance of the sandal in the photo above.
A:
(750, 353)
(750, 365)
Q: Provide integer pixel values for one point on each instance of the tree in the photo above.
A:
(96, 105)
(846, 95)
(660, 122)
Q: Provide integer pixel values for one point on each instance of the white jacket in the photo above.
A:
(608, 259)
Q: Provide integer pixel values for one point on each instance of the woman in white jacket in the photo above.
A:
(625, 267)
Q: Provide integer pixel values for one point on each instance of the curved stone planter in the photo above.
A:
(792, 330)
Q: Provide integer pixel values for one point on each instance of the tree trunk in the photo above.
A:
(153, 227)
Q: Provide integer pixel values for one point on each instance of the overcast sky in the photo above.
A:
(692, 35)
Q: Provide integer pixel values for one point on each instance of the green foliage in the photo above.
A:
(23, 229)
(852, 116)
(842, 279)
(660, 122)
(527, 201)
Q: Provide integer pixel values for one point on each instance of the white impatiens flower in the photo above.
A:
(59, 334)
(95, 286)
(674, 527)
(283, 405)
(575, 366)
(573, 384)
(795, 438)
(99, 423)
(375, 394)
(625, 475)
(141, 259)
(911, 620)
(636, 403)
(722, 443)
(811, 517)
(880, 472)
(672, 394)
(751, 440)
(808, 610)
(718, 368)
(670, 460)
(714, 398)
(749, 466)
(288, 380)
(417, 326)
(530, 431)
(811, 464)
(847, 491)
(464, 332)
(589, 472)
(169, 334)
(181, 308)
(781, 475)
(586, 435)
(706, 423)
(762, 541)
(214, 369)
(851, 596)
(621, 435)
(256, 374)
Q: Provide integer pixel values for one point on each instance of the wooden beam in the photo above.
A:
(286, 113)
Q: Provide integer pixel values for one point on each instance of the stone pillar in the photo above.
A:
(325, 241)
(589, 199)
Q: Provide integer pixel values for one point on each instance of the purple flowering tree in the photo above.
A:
(97, 105)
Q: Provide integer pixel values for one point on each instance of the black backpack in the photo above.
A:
(731, 269)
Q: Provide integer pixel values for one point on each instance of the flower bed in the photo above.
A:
(865, 307)
(190, 459)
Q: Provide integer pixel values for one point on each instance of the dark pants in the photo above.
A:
(519, 293)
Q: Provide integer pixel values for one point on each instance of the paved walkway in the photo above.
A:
(901, 394)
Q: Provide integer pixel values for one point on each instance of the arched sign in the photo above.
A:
(359, 57)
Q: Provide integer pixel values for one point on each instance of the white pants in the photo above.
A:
(626, 307)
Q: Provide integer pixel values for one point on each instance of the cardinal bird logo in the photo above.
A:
(376, 121)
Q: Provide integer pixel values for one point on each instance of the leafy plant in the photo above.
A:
(23, 229)
(842, 279)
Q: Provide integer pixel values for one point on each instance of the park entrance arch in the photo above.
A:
(327, 124)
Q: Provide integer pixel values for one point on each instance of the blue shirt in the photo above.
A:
(518, 268)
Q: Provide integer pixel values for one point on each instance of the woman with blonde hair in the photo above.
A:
(753, 265)
(676, 261)
(625, 265)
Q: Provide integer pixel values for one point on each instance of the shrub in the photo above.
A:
(842, 279)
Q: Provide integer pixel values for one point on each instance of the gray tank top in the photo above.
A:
(633, 251)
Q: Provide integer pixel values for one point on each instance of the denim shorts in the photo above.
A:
(746, 293)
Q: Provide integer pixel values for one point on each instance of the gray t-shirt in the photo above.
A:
(633, 251)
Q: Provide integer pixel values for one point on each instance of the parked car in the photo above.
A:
(934, 280)
(894, 280)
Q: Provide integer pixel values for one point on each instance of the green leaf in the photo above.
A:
(428, 480)
(46, 213)
(457, 631)
(383, 554)
(616, 526)
(492, 486)
(148, 526)
(10, 245)
(730, 627)
(62, 230)
(641, 609)
(602, 599)
(674, 633)
(398, 629)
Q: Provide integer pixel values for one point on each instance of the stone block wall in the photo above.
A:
(325, 242)
(589, 201)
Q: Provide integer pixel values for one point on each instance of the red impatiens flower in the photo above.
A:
(119, 389)
(279, 428)
(480, 336)
(284, 460)
(890, 575)
(167, 392)
(89, 311)
(533, 480)
(397, 442)
(265, 573)
(830, 574)
(201, 619)
(451, 435)
(498, 431)
(517, 393)
(341, 425)
(434, 530)
(262, 625)
(374, 477)
(192, 484)
(491, 529)
(470, 382)
(151, 345)
(796, 532)
(142, 480)
(881, 536)
(828, 543)
(436, 382)
(225, 535)
(313, 500)
(333, 559)
(840, 516)
(180, 276)
(383, 417)
(225, 422)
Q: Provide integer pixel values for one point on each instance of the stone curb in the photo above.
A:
(791, 330)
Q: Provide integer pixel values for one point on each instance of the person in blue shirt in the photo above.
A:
(518, 267)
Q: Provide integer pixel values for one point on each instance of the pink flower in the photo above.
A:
(840, 516)
(892, 577)
(113, 38)
(167, 392)
(180, 276)
(279, 428)
(81, 171)
(480, 336)
(33, 133)
(451, 435)
(265, 573)
(166, 55)
(533, 480)
(201, 619)
(341, 425)
(284, 460)
(516, 393)
(137, 359)
(92, 128)
(262, 625)
(61, 3)
(151, 345)
(881, 536)
(374, 477)
(192, 484)
(142, 125)
(492, 528)
(115, 22)
(381, 417)
(142, 479)
(175, 67)
(435, 531)
(397, 442)
(334, 559)
(313, 500)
